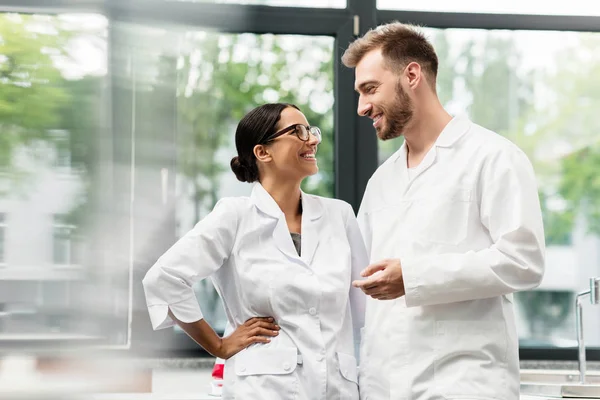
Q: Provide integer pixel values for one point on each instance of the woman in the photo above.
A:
(282, 261)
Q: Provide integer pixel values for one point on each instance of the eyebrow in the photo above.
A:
(361, 87)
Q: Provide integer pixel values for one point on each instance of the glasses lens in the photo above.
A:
(316, 132)
(301, 132)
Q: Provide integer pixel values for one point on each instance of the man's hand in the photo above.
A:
(384, 282)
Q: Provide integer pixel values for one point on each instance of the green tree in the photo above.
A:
(572, 122)
(501, 96)
(31, 94)
(80, 118)
(502, 99)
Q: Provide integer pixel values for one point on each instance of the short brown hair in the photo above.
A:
(400, 45)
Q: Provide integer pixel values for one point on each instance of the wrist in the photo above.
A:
(220, 351)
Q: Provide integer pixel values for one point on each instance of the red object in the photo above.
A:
(217, 371)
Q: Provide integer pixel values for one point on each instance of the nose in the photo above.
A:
(312, 139)
(364, 108)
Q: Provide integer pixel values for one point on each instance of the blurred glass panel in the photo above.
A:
(192, 88)
(221, 78)
(542, 91)
(533, 7)
(53, 73)
(2, 236)
(280, 3)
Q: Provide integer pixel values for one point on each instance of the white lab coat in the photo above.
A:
(245, 246)
(468, 231)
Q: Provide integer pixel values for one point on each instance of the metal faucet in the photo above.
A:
(594, 293)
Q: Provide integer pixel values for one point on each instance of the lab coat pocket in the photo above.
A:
(266, 373)
(471, 359)
(348, 368)
(445, 216)
(349, 371)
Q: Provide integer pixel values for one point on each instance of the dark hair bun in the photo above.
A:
(243, 171)
(239, 169)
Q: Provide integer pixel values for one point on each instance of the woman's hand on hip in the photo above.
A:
(255, 330)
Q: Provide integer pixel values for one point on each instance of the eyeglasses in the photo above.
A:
(303, 132)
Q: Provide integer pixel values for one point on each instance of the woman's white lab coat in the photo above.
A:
(245, 246)
(468, 231)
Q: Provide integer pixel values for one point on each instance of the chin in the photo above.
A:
(388, 135)
(312, 171)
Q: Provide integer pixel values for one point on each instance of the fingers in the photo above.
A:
(377, 290)
(371, 269)
(380, 296)
(261, 323)
(370, 283)
(373, 291)
(258, 331)
(257, 339)
(383, 294)
(267, 323)
(262, 327)
(255, 320)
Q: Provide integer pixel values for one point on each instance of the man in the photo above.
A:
(453, 226)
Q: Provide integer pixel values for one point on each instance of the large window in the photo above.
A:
(206, 86)
(232, 74)
(117, 131)
(52, 89)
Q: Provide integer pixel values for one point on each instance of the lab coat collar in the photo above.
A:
(311, 212)
(453, 131)
(265, 203)
(311, 208)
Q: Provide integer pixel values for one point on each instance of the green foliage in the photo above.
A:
(574, 119)
(580, 184)
(31, 94)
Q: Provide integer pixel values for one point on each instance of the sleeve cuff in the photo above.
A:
(412, 295)
(187, 311)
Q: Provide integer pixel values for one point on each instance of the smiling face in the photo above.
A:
(382, 97)
(287, 156)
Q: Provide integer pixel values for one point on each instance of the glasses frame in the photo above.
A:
(309, 129)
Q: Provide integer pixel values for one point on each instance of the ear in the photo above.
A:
(262, 153)
(413, 75)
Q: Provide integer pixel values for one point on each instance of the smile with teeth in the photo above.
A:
(376, 119)
(308, 156)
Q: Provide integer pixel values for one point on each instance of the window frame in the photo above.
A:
(62, 232)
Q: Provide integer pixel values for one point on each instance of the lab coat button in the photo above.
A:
(319, 357)
(242, 369)
(312, 311)
(286, 366)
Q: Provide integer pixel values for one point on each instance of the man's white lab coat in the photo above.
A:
(468, 231)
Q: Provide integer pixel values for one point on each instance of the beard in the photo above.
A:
(397, 116)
